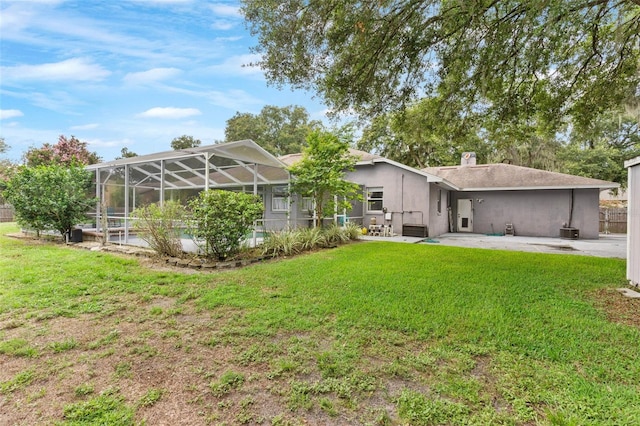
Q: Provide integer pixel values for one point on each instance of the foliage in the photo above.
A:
(279, 130)
(3, 146)
(50, 197)
(320, 173)
(125, 153)
(184, 142)
(295, 241)
(66, 152)
(222, 220)
(563, 58)
(107, 408)
(600, 149)
(422, 137)
(161, 226)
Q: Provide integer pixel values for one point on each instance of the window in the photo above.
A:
(439, 204)
(307, 206)
(279, 199)
(374, 199)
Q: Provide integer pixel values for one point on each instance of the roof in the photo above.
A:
(362, 156)
(367, 159)
(229, 164)
(503, 177)
(632, 162)
(245, 151)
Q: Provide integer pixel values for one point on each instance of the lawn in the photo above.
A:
(368, 333)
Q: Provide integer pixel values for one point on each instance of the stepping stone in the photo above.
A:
(629, 293)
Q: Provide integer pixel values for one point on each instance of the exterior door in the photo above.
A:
(465, 215)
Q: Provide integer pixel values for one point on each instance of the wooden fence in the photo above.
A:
(613, 220)
(6, 213)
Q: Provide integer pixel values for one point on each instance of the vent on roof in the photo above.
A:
(468, 159)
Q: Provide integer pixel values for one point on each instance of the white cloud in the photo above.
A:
(222, 24)
(150, 76)
(75, 69)
(221, 9)
(10, 113)
(89, 126)
(169, 113)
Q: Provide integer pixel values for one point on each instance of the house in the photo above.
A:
(404, 200)
(633, 221)
(534, 202)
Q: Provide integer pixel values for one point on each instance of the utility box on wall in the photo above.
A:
(569, 233)
(414, 230)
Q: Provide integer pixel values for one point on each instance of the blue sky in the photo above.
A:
(127, 73)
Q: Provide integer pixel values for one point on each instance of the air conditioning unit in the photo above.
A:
(414, 230)
(569, 233)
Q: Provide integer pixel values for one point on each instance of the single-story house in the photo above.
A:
(633, 221)
(429, 202)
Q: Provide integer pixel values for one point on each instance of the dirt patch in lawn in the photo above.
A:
(619, 309)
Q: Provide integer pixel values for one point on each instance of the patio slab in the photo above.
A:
(608, 245)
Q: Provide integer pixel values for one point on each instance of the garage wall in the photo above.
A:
(533, 213)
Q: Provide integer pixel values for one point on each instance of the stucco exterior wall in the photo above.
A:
(533, 213)
(406, 194)
(438, 217)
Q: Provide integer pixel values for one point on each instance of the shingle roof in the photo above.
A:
(509, 177)
(291, 159)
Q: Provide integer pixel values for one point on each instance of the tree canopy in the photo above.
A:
(50, 196)
(66, 152)
(509, 58)
(279, 130)
(184, 142)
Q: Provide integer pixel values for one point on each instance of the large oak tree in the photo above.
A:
(505, 58)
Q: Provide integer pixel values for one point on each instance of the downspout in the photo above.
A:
(571, 208)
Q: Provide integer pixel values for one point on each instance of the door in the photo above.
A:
(465, 215)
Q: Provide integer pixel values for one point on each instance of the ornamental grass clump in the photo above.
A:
(161, 227)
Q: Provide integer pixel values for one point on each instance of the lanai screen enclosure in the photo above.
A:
(122, 185)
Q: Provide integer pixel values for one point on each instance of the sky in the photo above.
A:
(128, 73)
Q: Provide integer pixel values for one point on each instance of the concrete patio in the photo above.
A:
(608, 245)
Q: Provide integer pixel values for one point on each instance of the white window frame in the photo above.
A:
(279, 199)
(307, 206)
(370, 199)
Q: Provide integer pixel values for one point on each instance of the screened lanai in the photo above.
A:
(124, 184)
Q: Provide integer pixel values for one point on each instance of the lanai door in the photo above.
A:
(465, 215)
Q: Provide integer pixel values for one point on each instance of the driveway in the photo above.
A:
(608, 245)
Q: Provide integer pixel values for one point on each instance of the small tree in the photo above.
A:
(66, 152)
(184, 142)
(50, 197)
(320, 174)
(160, 226)
(222, 219)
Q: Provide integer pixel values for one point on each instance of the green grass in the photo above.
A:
(371, 333)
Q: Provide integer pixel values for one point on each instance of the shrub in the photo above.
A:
(311, 238)
(222, 219)
(161, 226)
(353, 231)
(335, 235)
(283, 243)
